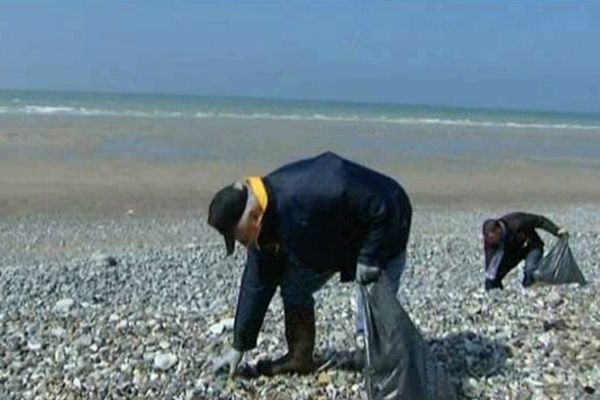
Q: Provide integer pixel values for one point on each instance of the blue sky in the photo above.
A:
(537, 55)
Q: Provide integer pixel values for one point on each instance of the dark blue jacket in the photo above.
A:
(323, 213)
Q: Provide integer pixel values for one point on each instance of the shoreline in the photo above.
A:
(114, 188)
(107, 166)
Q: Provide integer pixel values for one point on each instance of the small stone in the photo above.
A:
(545, 339)
(551, 379)
(64, 305)
(225, 325)
(103, 260)
(164, 345)
(201, 384)
(34, 346)
(58, 333)
(59, 355)
(559, 325)
(473, 383)
(83, 341)
(192, 246)
(534, 383)
(554, 299)
(164, 361)
(138, 378)
(589, 390)
(324, 379)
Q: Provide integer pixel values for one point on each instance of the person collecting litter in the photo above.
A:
(511, 239)
(301, 224)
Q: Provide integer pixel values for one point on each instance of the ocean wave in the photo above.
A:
(86, 112)
(405, 121)
(90, 112)
(47, 110)
(492, 124)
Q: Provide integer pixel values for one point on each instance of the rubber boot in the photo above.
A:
(490, 285)
(528, 280)
(300, 336)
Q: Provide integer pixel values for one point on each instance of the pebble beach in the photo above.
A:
(138, 306)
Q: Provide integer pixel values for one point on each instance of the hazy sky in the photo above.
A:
(496, 54)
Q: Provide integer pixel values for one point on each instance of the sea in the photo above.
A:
(242, 108)
(82, 127)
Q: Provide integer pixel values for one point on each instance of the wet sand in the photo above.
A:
(108, 166)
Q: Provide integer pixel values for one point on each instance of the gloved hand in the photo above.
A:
(366, 274)
(228, 361)
(563, 232)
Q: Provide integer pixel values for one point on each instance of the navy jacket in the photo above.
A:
(323, 213)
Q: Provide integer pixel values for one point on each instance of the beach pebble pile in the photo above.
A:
(138, 307)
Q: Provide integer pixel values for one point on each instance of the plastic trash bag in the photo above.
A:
(558, 266)
(398, 364)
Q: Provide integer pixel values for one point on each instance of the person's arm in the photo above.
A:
(376, 235)
(547, 225)
(259, 282)
(534, 221)
(493, 258)
(528, 221)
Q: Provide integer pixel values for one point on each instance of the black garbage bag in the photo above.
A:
(558, 266)
(398, 364)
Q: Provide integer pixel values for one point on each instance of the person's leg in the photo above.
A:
(297, 288)
(531, 261)
(393, 270)
(298, 285)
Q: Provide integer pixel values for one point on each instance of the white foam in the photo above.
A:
(85, 112)
(405, 121)
(82, 111)
(47, 109)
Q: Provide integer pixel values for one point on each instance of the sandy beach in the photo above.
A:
(111, 165)
(108, 266)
